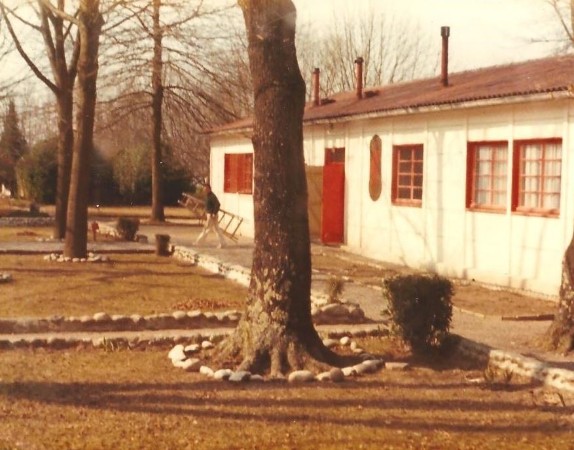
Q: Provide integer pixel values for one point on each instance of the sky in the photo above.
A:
(482, 32)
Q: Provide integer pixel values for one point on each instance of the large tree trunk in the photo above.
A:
(157, 210)
(90, 24)
(276, 332)
(560, 335)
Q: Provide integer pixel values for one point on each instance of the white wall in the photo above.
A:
(240, 204)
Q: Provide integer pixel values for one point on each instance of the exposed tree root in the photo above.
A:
(276, 354)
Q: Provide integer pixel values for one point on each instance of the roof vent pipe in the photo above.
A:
(316, 86)
(359, 77)
(445, 33)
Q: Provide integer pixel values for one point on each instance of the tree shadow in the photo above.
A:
(273, 403)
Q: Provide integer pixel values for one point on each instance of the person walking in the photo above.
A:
(211, 209)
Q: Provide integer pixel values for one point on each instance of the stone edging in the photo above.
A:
(105, 322)
(141, 342)
(26, 221)
(322, 311)
(531, 368)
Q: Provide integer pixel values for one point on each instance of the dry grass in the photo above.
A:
(469, 296)
(91, 399)
(129, 284)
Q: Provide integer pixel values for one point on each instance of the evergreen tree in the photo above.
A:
(13, 147)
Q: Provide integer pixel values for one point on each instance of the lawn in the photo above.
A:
(128, 284)
(92, 399)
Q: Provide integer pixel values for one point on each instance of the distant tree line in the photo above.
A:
(124, 179)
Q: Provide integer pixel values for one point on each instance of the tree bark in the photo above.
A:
(560, 335)
(276, 332)
(90, 23)
(65, 146)
(157, 209)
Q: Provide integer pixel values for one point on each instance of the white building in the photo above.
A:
(466, 174)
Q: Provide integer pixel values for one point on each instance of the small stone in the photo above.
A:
(136, 318)
(204, 370)
(240, 376)
(366, 367)
(206, 345)
(345, 340)
(300, 376)
(194, 314)
(354, 345)
(191, 365)
(101, 317)
(179, 315)
(330, 343)
(222, 374)
(335, 309)
(75, 260)
(349, 371)
(336, 375)
(190, 349)
(177, 353)
(5, 277)
(257, 377)
(396, 366)
(358, 351)
(324, 376)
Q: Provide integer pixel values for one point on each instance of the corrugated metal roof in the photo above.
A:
(528, 78)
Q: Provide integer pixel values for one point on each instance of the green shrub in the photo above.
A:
(420, 308)
(127, 227)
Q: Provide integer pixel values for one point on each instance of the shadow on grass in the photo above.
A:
(372, 404)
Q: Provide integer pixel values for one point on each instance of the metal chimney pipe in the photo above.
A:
(445, 33)
(359, 77)
(316, 86)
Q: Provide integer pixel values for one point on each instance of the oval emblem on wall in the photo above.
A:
(375, 184)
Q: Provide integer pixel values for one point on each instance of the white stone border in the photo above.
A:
(531, 368)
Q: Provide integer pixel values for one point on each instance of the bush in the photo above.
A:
(127, 228)
(421, 309)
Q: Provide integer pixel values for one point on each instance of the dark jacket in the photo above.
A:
(211, 204)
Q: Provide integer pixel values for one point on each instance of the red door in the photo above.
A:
(333, 209)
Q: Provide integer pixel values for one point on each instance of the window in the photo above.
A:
(536, 180)
(238, 173)
(375, 186)
(407, 175)
(487, 175)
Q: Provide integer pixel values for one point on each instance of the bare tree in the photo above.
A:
(62, 50)
(393, 50)
(169, 42)
(276, 330)
(563, 12)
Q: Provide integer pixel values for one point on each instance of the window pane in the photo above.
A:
(418, 181)
(532, 151)
(484, 167)
(417, 193)
(482, 198)
(404, 154)
(405, 167)
(499, 198)
(404, 193)
(489, 173)
(404, 180)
